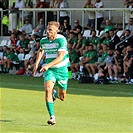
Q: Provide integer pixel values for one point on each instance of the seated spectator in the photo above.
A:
(11, 57)
(89, 57)
(26, 29)
(72, 40)
(129, 27)
(77, 28)
(4, 56)
(103, 67)
(127, 61)
(107, 28)
(115, 66)
(13, 41)
(80, 45)
(114, 39)
(107, 39)
(91, 15)
(127, 42)
(95, 41)
(23, 43)
(65, 26)
(74, 59)
(38, 31)
(29, 64)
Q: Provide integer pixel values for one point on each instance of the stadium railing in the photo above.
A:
(71, 12)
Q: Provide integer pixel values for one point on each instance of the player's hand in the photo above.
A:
(44, 68)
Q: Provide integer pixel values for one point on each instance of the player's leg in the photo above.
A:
(49, 101)
(62, 94)
(49, 81)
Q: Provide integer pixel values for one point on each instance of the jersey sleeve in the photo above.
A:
(62, 44)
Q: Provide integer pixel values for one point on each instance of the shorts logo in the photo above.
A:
(62, 82)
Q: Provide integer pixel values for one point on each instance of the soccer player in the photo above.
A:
(56, 68)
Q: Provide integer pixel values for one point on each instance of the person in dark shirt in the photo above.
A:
(114, 39)
(77, 28)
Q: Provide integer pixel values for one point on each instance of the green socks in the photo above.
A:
(50, 108)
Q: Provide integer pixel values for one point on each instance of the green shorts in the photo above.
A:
(58, 76)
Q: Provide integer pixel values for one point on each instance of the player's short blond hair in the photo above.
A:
(57, 24)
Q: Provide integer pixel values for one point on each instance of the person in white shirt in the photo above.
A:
(19, 4)
(63, 14)
(99, 14)
(26, 29)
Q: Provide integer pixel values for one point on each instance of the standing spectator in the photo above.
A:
(128, 14)
(54, 4)
(99, 14)
(41, 4)
(19, 4)
(27, 14)
(77, 28)
(91, 15)
(114, 39)
(38, 31)
(63, 14)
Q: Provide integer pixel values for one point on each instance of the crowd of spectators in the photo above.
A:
(88, 55)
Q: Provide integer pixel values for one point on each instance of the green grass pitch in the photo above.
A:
(88, 108)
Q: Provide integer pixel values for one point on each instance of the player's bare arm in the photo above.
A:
(39, 56)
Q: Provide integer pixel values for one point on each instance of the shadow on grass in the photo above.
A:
(36, 84)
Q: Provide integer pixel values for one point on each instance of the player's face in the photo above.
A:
(51, 31)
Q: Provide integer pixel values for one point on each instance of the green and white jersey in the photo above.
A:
(52, 48)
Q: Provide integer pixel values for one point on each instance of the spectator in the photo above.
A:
(103, 67)
(23, 43)
(13, 41)
(99, 14)
(27, 14)
(54, 4)
(11, 57)
(129, 27)
(91, 15)
(81, 42)
(77, 28)
(114, 39)
(115, 66)
(107, 39)
(74, 59)
(89, 57)
(128, 14)
(95, 41)
(40, 4)
(26, 29)
(38, 31)
(72, 40)
(127, 61)
(127, 42)
(19, 4)
(107, 28)
(63, 14)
